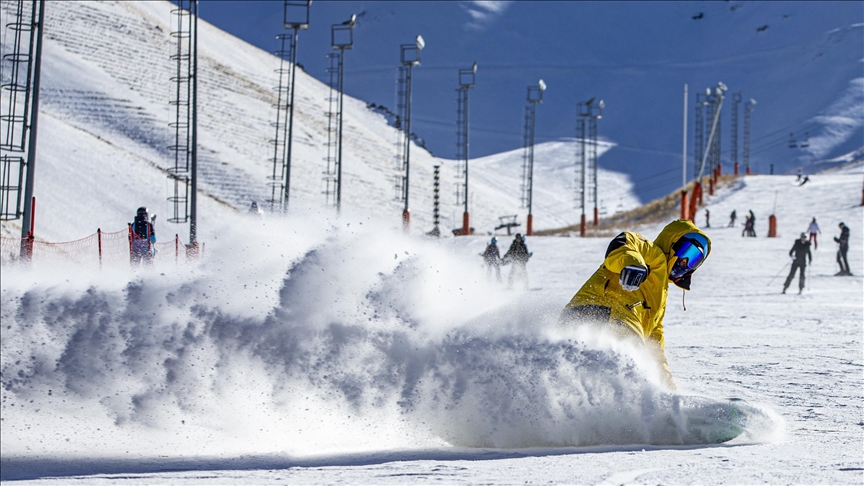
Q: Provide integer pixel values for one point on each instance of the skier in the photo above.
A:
(843, 239)
(748, 226)
(813, 229)
(732, 218)
(143, 237)
(801, 255)
(492, 257)
(518, 255)
(752, 232)
(707, 218)
(255, 210)
(629, 289)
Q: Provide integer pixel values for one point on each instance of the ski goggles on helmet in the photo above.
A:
(691, 250)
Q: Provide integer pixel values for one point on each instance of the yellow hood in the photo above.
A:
(671, 234)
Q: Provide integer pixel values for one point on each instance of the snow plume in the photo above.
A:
(484, 13)
(337, 338)
(841, 121)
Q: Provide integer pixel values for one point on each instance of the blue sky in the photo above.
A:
(797, 59)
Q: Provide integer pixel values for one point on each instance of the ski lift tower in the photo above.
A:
(409, 57)
(185, 124)
(296, 18)
(736, 100)
(748, 108)
(341, 39)
(20, 114)
(466, 82)
(588, 113)
(535, 97)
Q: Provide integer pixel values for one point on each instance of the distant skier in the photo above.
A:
(707, 218)
(752, 232)
(492, 257)
(518, 255)
(143, 237)
(629, 289)
(805, 181)
(801, 255)
(813, 229)
(732, 218)
(748, 226)
(843, 239)
(255, 210)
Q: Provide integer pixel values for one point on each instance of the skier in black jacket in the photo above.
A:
(801, 256)
(844, 248)
(518, 255)
(143, 237)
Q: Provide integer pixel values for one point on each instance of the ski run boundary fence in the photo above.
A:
(101, 248)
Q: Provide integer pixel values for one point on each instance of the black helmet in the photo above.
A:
(142, 213)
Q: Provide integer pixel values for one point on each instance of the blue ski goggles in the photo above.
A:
(691, 250)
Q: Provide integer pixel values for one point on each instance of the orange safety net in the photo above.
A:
(101, 248)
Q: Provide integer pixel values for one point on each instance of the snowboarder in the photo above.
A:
(843, 239)
(732, 218)
(143, 237)
(801, 255)
(813, 229)
(629, 289)
(492, 257)
(518, 255)
(752, 232)
(748, 226)
(707, 218)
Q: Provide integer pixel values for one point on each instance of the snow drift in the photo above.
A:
(340, 338)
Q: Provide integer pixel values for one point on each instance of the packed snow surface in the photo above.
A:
(350, 353)
(315, 348)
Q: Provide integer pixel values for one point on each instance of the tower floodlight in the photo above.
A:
(296, 18)
(466, 82)
(588, 113)
(296, 14)
(534, 97)
(409, 56)
(748, 108)
(341, 39)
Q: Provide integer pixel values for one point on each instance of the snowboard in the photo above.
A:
(710, 421)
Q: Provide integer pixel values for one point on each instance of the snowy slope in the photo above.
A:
(365, 356)
(104, 132)
(315, 349)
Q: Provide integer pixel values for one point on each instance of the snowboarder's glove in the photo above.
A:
(632, 277)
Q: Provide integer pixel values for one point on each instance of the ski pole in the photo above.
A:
(778, 273)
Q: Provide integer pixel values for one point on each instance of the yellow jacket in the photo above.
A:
(642, 310)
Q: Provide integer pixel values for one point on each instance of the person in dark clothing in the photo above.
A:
(518, 255)
(707, 218)
(748, 226)
(732, 218)
(492, 257)
(801, 255)
(752, 232)
(843, 239)
(143, 237)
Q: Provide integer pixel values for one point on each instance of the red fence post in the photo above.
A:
(684, 205)
(131, 235)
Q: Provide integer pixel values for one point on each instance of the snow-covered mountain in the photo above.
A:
(801, 62)
(104, 115)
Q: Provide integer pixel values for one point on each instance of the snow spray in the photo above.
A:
(342, 338)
